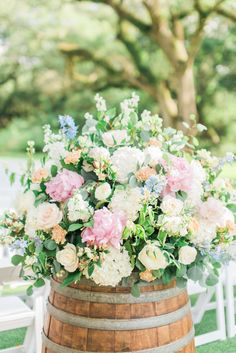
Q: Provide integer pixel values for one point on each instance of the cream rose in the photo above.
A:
(68, 258)
(187, 255)
(171, 206)
(152, 257)
(103, 191)
(48, 215)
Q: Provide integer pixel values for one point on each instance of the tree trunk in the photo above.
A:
(168, 106)
(186, 95)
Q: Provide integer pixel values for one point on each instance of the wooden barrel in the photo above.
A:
(86, 318)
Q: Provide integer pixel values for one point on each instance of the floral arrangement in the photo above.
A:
(124, 195)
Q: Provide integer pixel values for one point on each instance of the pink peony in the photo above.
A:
(107, 229)
(179, 175)
(62, 186)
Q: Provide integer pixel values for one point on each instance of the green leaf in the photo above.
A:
(57, 266)
(29, 290)
(194, 273)
(71, 278)
(91, 269)
(39, 283)
(17, 259)
(133, 181)
(211, 280)
(53, 170)
(162, 236)
(75, 226)
(232, 207)
(181, 282)
(50, 244)
(135, 290)
(12, 178)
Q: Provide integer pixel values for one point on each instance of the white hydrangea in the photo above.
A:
(126, 161)
(128, 201)
(153, 155)
(204, 235)
(78, 208)
(24, 202)
(115, 266)
(194, 195)
(174, 225)
(56, 151)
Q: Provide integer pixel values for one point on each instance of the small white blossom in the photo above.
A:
(100, 103)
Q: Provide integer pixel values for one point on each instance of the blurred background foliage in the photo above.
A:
(56, 54)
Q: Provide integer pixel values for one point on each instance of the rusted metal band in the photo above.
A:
(168, 348)
(118, 325)
(116, 298)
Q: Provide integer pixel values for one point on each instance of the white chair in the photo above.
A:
(14, 313)
(230, 282)
(204, 304)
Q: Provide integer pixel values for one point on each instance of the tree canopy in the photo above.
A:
(178, 55)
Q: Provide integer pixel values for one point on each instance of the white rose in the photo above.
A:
(171, 206)
(68, 258)
(103, 191)
(152, 257)
(187, 255)
(153, 154)
(114, 137)
(48, 215)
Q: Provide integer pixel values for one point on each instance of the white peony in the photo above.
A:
(152, 155)
(171, 206)
(126, 161)
(187, 255)
(47, 216)
(114, 137)
(128, 201)
(103, 191)
(152, 257)
(115, 266)
(78, 208)
(68, 258)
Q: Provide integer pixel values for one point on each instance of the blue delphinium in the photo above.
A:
(68, 126)
(155, 184)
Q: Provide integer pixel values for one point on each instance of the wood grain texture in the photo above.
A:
(96, 340)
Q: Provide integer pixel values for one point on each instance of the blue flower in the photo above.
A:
(155, 184)
(19, 246)
(68, 126)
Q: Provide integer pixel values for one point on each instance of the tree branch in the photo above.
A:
(230, 14)
(125, 14)
(173, 47)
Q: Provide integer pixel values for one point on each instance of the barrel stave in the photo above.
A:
(84, 339)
